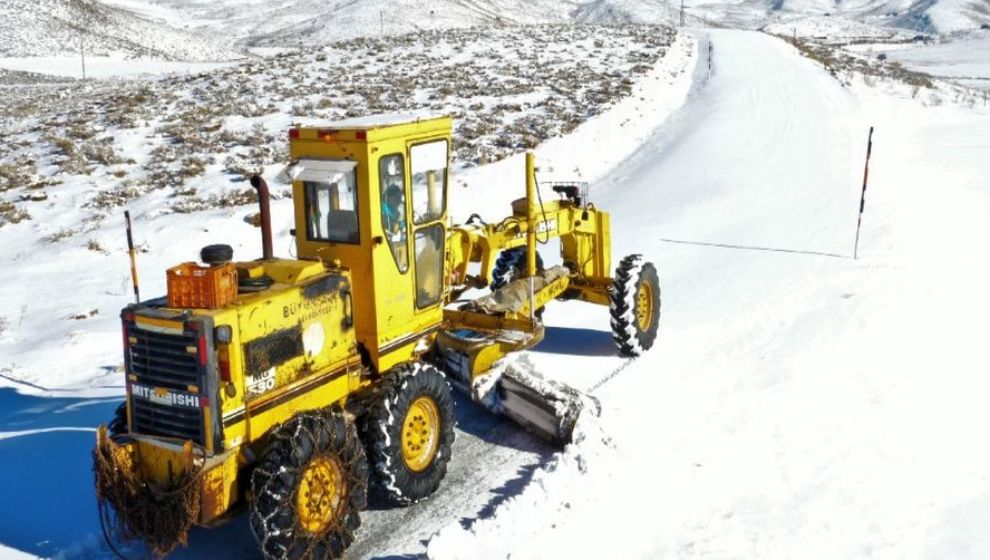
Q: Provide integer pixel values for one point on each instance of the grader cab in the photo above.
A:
(292, 386)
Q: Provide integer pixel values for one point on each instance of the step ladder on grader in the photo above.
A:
(293, 386)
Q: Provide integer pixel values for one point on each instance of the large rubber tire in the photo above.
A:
(118, 425)
(635, 305)
(511, 264)
(394, 420)
(284, 478)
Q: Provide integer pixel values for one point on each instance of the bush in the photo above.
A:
(11, 214)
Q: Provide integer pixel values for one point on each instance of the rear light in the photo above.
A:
(223, 364)
(361, 135)
(202, 350)
(293, 134)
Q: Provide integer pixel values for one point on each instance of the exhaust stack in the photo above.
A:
(266, 216)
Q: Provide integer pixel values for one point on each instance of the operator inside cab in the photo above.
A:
(394, 209)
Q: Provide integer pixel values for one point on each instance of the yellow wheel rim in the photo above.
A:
(644, 306)
(321, 494)
(420, 434)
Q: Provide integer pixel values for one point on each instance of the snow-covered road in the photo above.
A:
(799, 404)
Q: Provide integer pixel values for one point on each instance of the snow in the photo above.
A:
(68, 305)
(386, 119)
(965, 61)
(104, 66)
(62, 27)
(798, 403)
(215, 30)
(834, 29)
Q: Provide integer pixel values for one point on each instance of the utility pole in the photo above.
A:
(82, 53)
(682, 13)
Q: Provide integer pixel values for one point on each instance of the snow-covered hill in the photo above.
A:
(32, 28)
(216, 29)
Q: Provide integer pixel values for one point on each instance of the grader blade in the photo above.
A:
(474, 360)
(546, 408)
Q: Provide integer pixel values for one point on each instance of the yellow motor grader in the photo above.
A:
(290, 387)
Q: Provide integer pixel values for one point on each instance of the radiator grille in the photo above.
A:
(166, 361)
(171, 421)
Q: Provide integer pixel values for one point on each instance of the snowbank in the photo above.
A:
(800, 404)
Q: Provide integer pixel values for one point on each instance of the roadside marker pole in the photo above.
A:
(130, 250)
(711, 52)
(862, 198)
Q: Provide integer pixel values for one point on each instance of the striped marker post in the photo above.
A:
(862, 198)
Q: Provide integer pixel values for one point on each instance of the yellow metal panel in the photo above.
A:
(275, 409)
(220, 487)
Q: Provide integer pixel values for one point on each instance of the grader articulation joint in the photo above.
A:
(296, 386)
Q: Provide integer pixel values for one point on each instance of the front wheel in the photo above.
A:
(409, 432)
(309, 487)
(635, 305)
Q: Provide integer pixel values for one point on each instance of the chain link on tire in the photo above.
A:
(635, 305)
(309, 442)
(400, 480)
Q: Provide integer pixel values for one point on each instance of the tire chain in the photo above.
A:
(272, 495)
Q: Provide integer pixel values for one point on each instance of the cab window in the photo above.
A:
(429, 180)
(429, 265)
(392, 177)
(331, 208)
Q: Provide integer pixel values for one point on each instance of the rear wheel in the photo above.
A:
(635, 305)
(309, 487)
(409, 431)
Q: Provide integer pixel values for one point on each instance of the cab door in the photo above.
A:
(428, 209)
(409, 277)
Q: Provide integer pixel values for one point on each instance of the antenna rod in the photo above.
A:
(130, 250)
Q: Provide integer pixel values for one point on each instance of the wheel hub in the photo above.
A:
(321, 494)
(420, 434)
(644, 306)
